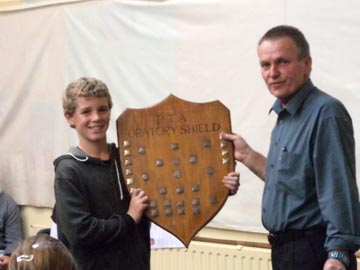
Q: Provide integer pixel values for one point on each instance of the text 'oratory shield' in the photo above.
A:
(173, 152)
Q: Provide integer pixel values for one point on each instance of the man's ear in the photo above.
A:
(308, 64)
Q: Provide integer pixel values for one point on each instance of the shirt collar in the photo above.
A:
(295, 101)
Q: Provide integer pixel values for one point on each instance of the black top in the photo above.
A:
(91, 214)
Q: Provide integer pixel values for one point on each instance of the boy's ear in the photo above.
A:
(69, 119)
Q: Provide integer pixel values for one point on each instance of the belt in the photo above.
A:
(276, 239)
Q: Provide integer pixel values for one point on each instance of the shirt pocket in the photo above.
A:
(290, 172)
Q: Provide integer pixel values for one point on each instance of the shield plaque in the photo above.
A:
(173, 152)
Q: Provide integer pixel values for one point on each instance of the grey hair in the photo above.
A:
(291, 32)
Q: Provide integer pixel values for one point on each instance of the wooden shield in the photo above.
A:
(173, 152)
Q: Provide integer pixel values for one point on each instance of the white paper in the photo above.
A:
(161, 238)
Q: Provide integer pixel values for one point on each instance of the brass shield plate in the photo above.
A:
(173, 152)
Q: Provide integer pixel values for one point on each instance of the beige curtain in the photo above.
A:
(199, 50)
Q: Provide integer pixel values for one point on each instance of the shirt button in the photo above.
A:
(272, 166)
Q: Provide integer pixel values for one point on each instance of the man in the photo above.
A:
(310, 201)
(10, 228)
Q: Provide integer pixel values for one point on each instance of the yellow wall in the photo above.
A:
(209, 244)
(202, 254)
(6, 3)
(35, 219)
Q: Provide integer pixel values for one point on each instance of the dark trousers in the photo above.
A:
(301, 250)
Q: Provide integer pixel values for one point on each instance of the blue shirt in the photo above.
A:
(10, 224)
(310, 169)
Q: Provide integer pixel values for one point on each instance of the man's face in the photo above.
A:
(282, 70)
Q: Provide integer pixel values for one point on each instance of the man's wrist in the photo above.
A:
(341, 256)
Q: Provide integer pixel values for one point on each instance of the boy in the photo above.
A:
(98, 220)
(103, 227)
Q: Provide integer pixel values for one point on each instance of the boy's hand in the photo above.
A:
(138, 204)
(232, 182)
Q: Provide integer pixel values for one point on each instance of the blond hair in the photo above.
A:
(41, 252)
(84, 87)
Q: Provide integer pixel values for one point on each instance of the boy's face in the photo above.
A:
(90, 119)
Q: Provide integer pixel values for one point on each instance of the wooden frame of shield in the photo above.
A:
(173, 152)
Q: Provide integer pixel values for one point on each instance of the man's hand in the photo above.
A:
(333, 264)
(243, 153)
(4, 262)
(241, 147)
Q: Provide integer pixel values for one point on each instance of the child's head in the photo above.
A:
(41, 252)
(84, 87)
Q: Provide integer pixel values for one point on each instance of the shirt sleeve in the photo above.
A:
(334, 163)
(78, 225)
(12, 225)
